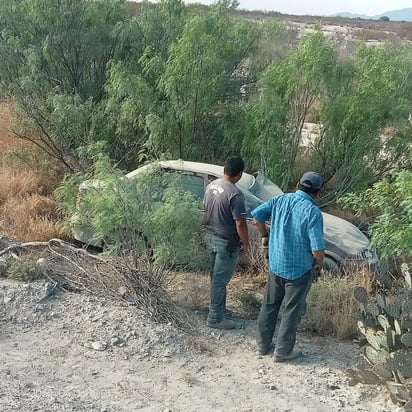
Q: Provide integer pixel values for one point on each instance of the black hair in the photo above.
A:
(233, 166)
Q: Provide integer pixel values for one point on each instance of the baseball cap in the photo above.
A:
(311, 181)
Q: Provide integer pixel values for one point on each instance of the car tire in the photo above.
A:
(331, 265)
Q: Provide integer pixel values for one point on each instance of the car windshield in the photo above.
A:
(263, 188)
(257, 190)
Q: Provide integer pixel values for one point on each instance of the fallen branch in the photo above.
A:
(114, 277)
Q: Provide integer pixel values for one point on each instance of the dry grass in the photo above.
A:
(27, 211)
(199, 344)
(7, 140)
(331, 307)
(22, 182)
(29, 218)
(191, 290)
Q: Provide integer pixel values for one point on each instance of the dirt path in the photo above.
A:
(48, 363)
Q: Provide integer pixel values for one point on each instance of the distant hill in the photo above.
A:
(394, 15)
(398, 15)
(348, 15)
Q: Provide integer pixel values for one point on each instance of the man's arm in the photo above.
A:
(262, 228)
(319, 256)
(242, 231)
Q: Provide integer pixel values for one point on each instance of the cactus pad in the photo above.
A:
(406, 339)
(360, 294)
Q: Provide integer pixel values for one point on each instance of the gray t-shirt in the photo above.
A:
(223, 204)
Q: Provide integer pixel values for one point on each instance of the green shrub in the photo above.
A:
(391, 201)
(24, 268)
(148, 216)
(249, 304)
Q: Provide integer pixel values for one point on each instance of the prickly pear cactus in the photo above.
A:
(385, 321)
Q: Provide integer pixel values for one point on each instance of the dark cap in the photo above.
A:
(312, 181)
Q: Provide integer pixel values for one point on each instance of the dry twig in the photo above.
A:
(111, 277)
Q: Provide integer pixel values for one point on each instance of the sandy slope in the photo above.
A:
(47, 363)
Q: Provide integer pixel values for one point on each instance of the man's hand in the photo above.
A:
(316, 272)
(264, 243)
(243, 249)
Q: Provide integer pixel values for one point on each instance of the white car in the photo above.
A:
(346, 245)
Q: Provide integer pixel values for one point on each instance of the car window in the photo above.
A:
(193, 184)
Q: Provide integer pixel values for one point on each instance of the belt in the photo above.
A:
(218, 235)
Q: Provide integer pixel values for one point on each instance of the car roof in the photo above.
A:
(246, 181)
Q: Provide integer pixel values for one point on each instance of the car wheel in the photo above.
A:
(331, 265)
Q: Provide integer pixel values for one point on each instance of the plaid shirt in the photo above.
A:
(296, 229)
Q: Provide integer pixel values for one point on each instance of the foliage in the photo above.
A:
(249, 304)
(386, 324)
(364, 114)
(361, 104)
(288, 90)
(391, 200)
(147, 216)
(53, 58)
(203, 80)
(197, 83)
(175, 227)
(24, 269)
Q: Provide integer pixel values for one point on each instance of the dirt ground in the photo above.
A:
(77, 352)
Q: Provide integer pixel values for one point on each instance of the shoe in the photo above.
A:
(266, 350)
(228, 313)
(225, 324)
(296, 353)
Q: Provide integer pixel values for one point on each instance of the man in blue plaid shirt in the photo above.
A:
(295, 245)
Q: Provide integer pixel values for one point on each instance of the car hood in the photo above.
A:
(343, 235)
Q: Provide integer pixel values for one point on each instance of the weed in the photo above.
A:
(199, 345)
(24, 268)
(191, 290)
(189, 379)
(331, 308)
(249, 304)
(28, 218)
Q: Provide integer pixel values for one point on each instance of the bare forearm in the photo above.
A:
(261, 227)
(319, 256)
(241, 227)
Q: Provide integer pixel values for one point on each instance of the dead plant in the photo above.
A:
(113, 278)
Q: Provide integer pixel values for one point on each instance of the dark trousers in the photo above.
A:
(293, 294)
(223, 264)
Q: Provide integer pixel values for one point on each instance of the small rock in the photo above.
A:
(7, 299)
(115, 341)
(272, 387)
(131, 334)
(122, 291)
(99, 345)
(42, 264)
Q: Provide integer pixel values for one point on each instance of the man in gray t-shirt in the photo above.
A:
(226, 228)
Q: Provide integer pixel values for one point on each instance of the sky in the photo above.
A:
(321, 7)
